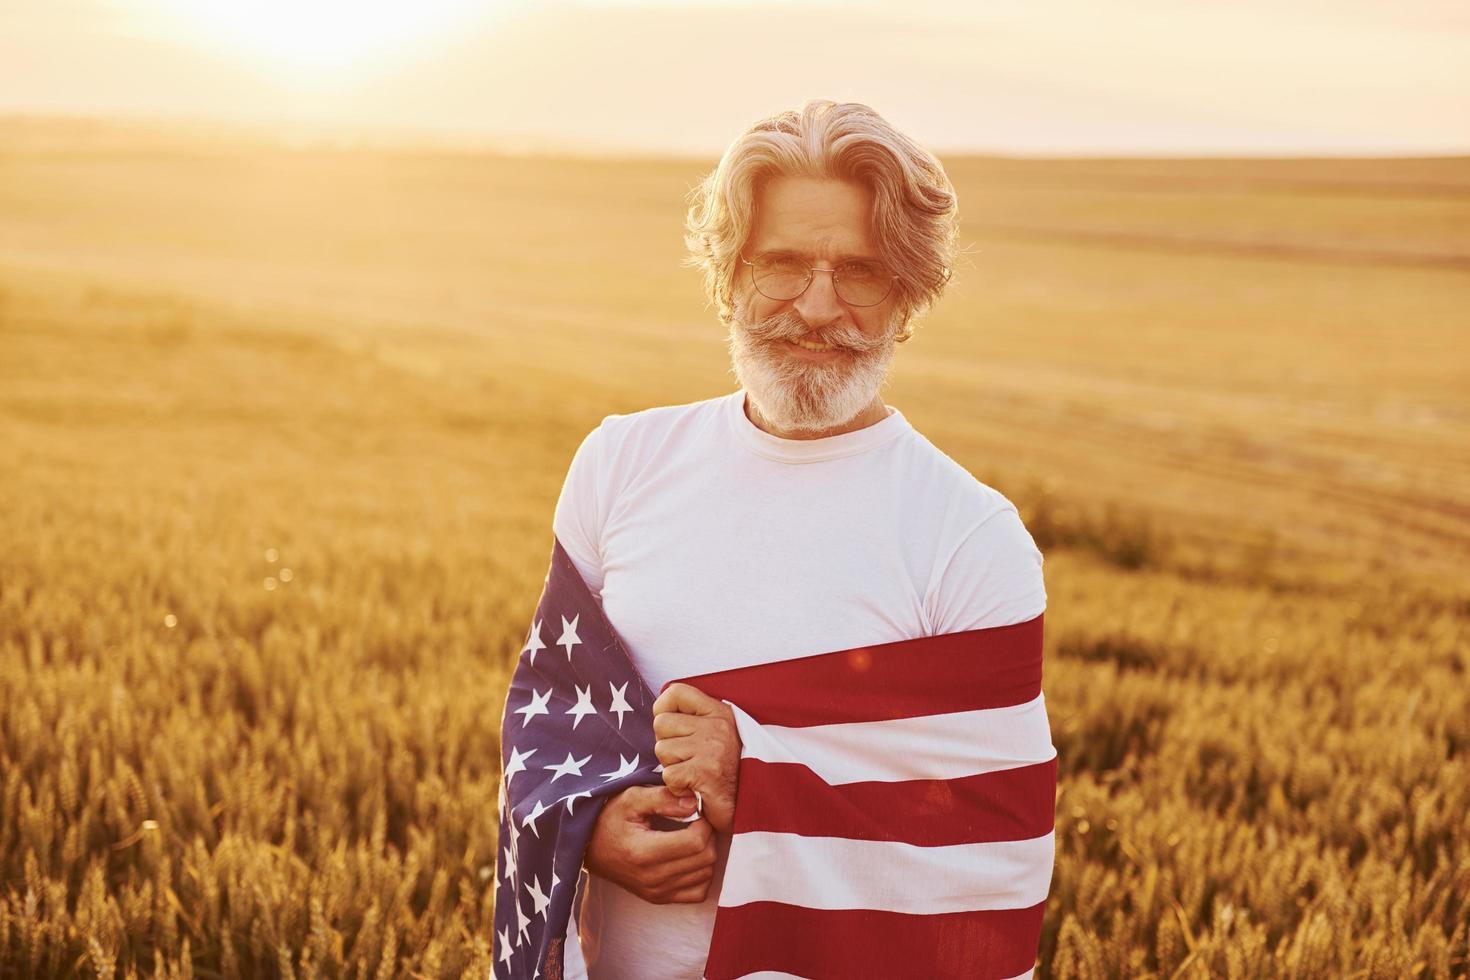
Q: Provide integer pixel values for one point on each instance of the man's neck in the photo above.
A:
(875, 412)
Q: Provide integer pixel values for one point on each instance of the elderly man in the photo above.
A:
(797, 515)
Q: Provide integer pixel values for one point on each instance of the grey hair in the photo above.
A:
(915, 218)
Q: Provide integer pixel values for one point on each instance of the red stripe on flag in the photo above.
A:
(987, 668)
(1012, 804)
(822, 943)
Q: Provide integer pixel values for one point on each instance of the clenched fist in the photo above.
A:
(699, 747)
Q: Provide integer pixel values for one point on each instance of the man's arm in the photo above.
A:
(658, 866)
(578, 519)
(991, 577)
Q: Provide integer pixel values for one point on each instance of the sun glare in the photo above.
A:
(318, 36)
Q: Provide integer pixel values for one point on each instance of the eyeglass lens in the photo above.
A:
(859, 283)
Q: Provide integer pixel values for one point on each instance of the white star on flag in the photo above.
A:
(620, 701)
(522, 920)
(531, 817)
(569, 637)
(625, 768)
(536, 706)
(505, 947)
(517, 763)
(573, 798)
(572, 767)
(507, 863)
(540, 898)
(533, 642)
(583, 705)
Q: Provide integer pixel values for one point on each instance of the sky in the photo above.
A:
(1150, 77)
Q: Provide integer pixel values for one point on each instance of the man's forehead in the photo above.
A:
(814, 216)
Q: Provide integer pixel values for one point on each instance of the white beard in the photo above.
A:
(800, 396)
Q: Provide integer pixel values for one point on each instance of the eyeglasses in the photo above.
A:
(859, 282)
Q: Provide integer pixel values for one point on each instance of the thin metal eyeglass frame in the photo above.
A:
(811, 275)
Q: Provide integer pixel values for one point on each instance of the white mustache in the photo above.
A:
(790, 326)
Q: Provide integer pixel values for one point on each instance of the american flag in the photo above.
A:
(895, 809)
(577, 729)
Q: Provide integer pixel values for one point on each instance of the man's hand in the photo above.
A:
(657, 866)
(699, 747)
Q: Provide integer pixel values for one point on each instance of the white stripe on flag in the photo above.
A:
(947, 746)
(837, 873)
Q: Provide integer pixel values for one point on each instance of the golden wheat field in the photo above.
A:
(281, 429)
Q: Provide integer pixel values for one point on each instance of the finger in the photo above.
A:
(689, 879)
(687, 699)
(684, 777)
(691, 896)
(672, 724)
(642, 801)
(682, 786)
(671, 751)
(682, 870)
(657, 846)
(698, 876)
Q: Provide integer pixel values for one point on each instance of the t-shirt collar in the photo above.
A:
(811, 450)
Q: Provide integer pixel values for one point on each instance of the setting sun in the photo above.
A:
(316, 36)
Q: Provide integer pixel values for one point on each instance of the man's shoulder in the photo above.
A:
(656, 424)
(987, 568)
(667, 415)
(963, 495)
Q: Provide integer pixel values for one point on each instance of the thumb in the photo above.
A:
(647, 800)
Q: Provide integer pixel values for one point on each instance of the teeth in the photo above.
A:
(808, 345)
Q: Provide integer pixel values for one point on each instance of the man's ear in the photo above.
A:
(905, 329)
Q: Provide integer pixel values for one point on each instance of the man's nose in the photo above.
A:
(819, 305)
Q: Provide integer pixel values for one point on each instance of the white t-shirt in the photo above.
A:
(713, 544)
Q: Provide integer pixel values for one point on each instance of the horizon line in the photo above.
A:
(317, 134)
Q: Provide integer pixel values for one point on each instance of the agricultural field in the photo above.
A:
(281, 428)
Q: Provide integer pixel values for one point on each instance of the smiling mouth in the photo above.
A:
(808, 345)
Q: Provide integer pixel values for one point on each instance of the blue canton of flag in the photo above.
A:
(577, 729)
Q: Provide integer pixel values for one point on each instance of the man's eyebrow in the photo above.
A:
(803, 255)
